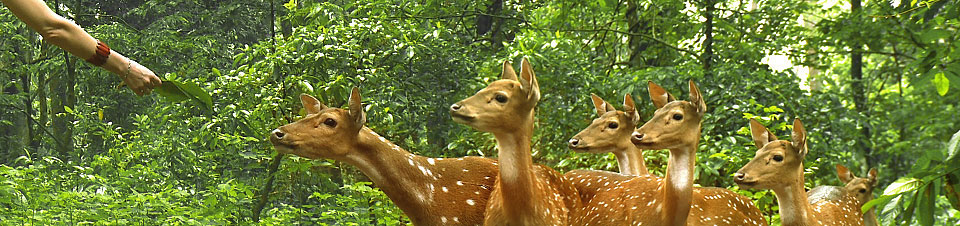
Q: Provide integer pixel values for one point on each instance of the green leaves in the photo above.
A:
(935, 35)
(175, 91)
(953, 147)
(941, 83)
(917, 195)
(952, 190)
(902, 185)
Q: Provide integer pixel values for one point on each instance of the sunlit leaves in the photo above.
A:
(941, 83)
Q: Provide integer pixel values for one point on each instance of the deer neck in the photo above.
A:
(870, 218)
(516, 169)
(630, 159)
(792, 199)
(678, 188)
(404, 177)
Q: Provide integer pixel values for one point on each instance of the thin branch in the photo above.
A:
(662, 42)
(118, 18)
(44, 128)
(408, 15)
(894, 54)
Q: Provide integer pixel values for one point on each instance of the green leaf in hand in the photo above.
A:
(175, 91)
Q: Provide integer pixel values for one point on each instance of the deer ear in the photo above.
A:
(508, 73)
(528, 81)
(658, 95)
(356, 108)
(631, 109)
(799, 137)
(696, 98)
(844, 174)
(761, 136)
(872, 176)
(311, 104)
(598, 103)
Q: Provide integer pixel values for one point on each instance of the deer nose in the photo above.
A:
(573, 142)
(278, 134)
(739, 176)
(637, 137)
(455, 107)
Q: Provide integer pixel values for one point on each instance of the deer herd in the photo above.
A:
(514, 190)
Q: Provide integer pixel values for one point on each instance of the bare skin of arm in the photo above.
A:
(70, 37)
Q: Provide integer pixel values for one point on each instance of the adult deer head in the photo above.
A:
(306, 137)
(675, 123)
(493, 108)
(778, 162)
(610, 130)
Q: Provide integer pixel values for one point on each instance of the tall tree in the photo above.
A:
(63, 87)
(856, 83)
(707, 58)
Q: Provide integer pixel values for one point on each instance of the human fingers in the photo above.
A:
(155, 82)
(149, 78)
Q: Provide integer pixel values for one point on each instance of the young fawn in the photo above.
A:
(778, 166)
(431, 191)
(526, 193)
(672, 200)
(862, 189)
(610, 133)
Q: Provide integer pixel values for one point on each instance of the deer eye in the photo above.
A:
(778, 158)
(863, 190)
(501, 98)
(613, 125)
(330, 122)
(677, 117)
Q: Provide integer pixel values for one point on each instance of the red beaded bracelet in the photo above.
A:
(103, 52)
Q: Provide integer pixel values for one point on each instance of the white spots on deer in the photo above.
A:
(443, 219)
(444, 189)
(431, 161)
(423, 170)
(460, 183)
(471, 202)
(410, 161)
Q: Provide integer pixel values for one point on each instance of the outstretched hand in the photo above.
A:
(140, 79)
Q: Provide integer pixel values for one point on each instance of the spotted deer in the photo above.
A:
(862, 189)
(778, 165)
(610, 133)
(430, 191)
(672, 200)
(525, 193)
(602, 136)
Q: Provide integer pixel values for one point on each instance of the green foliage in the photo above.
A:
(177, 91)
(205, 161)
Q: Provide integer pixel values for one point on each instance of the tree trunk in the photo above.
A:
(264, 195)
(21, 132)
(636, 43)
(707, 58)
(62, 88)
(856, 77)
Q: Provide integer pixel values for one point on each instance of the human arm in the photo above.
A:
(69, 36)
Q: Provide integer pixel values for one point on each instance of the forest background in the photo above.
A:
(876, 83)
